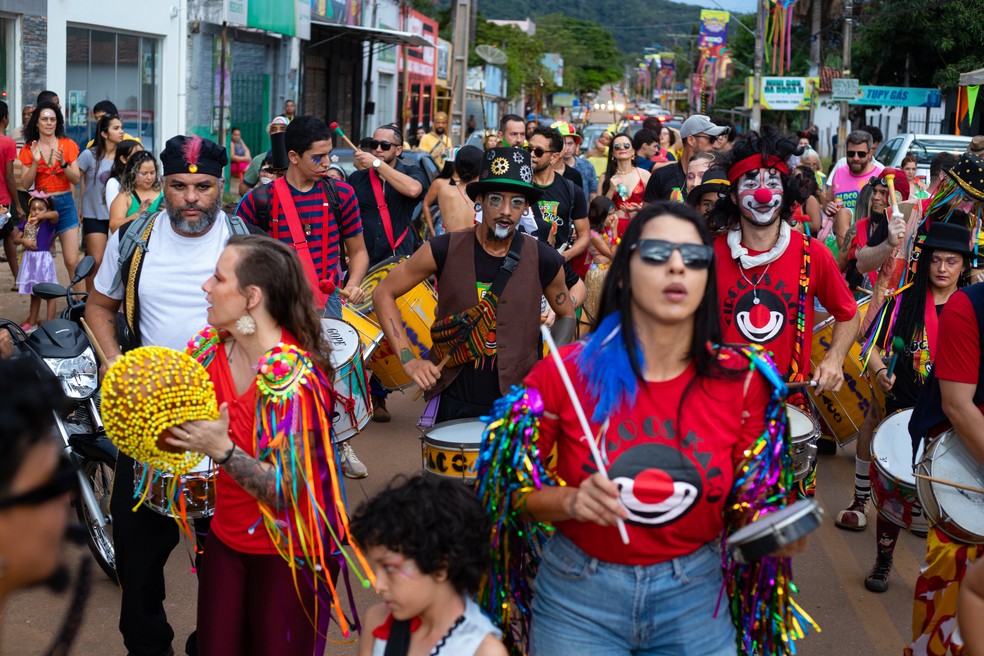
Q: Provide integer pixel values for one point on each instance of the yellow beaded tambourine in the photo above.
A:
(148, 391)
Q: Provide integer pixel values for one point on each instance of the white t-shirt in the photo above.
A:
(112, 191)
(172, 303)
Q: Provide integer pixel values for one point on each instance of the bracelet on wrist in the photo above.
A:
(880, 370)
(224, 459)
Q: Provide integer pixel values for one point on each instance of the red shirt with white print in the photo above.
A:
(771, 321)
(674, 460)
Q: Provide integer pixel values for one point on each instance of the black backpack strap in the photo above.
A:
(334, 202)
(261, 206)
(509, 265)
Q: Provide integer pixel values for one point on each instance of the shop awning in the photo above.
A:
(369, 33)
(972, 78)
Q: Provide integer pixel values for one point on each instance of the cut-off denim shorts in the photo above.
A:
(582, 605)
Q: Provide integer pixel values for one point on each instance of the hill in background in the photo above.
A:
(635, 24)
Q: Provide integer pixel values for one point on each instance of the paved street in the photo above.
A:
(830, 574)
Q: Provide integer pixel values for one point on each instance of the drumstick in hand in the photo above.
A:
(897, 347)
(440, 367)
(579, 411)
(802, 383)
(942, 481)
(337, 130)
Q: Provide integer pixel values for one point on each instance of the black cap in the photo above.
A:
(948, 237)
(968, 173)
(193, 155)
(714, 179)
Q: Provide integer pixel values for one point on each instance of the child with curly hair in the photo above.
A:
(426, 539)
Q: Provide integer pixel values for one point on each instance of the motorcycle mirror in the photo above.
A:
(84, 268)
(49, 291)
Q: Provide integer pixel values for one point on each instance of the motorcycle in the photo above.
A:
(62, 348)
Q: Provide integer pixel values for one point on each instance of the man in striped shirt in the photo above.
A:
(309, 144)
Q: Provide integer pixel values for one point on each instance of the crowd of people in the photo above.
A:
(698, 266)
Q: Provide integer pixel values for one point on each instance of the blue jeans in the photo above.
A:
(583, 605)
(68, 216)
(333, 306)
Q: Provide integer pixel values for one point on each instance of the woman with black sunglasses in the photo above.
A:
(624, 182)
(673, 415)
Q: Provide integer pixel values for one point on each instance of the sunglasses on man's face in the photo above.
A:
(536, 151)
(372, 144)
(658, 251)
(64, 479)
(857, 154)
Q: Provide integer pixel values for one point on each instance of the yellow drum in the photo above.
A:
(844, 411)
(418, 308)
(370, 334)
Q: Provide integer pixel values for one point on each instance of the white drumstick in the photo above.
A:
(595, 454)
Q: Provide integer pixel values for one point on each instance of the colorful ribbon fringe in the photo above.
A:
(509, 468)
(767, 618)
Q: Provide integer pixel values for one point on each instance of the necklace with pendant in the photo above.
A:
(755, 291)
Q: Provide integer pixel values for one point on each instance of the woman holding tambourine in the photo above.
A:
(690, 434)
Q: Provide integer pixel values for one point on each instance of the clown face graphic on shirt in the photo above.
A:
(759, 196)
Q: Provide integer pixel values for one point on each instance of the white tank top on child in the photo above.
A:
(464, 637)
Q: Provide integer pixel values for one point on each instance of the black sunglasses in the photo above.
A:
(65, 479)
(537, 151)
(658, 251)
(372, 144)
(857, 154)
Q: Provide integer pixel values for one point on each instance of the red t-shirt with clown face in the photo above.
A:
(674, 463)
(771, 321)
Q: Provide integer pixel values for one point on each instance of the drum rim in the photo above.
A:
(874, 453)
(806, 436)
(807, 506)
(426, 438)
(771, 539)
(358, 341)
(934, 512)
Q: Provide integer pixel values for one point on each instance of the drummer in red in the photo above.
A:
(769, 274)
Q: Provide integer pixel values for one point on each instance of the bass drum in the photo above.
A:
(958, 513)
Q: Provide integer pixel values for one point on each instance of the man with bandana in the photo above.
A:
(165, 306)
(466, 264)
(769, 275)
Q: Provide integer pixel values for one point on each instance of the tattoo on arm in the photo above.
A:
(560, 298)
(257, 478)
(406, 355)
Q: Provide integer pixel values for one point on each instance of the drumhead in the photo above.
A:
(373, 277)
(773, 522)
(467, 432)
(891, 447)
(951, 462)
(801, 425)
(343, 339)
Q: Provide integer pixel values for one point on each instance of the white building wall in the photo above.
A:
(164, 20)
(384, 80)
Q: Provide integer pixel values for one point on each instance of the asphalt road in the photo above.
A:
(830, 574)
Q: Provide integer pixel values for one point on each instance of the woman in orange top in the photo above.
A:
(51, 164)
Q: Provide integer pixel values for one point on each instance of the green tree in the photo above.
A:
(940, 38)
(523, 70)
(591, 55)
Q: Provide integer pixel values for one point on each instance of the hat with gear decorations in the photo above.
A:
(505, 169)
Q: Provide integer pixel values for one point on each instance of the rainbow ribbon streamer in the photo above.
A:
(509, 468)
(767, 619)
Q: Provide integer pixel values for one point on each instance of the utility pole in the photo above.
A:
(462, 29)
(843, 128)
(756, 123)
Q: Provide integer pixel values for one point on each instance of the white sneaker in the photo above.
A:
(352, 467)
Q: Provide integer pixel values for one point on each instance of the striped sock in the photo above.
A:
(862, 481)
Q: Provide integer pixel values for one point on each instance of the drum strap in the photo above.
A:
(384, 213)
(799, 368)
(299, 240)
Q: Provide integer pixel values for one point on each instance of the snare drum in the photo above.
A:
(418, 307)
(197, 487)
(844, 411)
(893, 486)
(370, 334)
(804, 431)
(450, 449)
(958, 513)
(353, 406)
(775, 531)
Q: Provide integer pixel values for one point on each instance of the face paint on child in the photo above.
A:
(760, 196)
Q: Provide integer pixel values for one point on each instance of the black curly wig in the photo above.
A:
(437, 522)
(768, 143)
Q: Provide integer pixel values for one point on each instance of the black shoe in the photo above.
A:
(877, 581)
(826, 446)
(379, 411)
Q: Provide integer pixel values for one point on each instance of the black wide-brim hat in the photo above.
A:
(505, 169)
(713, 180)
(948, 237)
(193, 154)
(968, 173)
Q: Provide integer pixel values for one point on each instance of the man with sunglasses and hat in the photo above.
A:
(769, 274)
(480, 351)
(699, 135)
(388, 191)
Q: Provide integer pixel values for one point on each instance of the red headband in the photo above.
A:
(741, 167)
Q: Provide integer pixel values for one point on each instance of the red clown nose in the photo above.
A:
(762, 196)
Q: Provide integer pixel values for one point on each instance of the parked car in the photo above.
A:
(923, 146)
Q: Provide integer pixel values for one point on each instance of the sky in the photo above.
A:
(738, 6)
